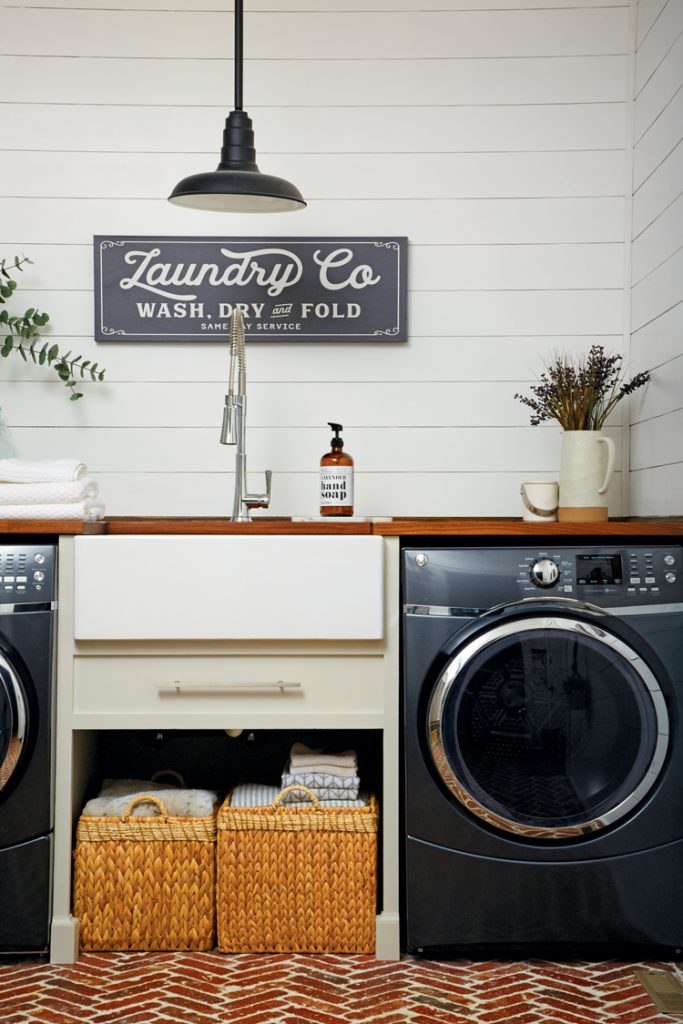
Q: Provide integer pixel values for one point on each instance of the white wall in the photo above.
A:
(491, 132)
(657, 259)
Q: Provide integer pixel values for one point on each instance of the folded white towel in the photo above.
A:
(301, 756)
(115, 797)
(86, 511)
(48, 493)
(323, 767)
(33, 471)
(254, 794)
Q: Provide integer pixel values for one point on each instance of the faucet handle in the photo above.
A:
(260, 500)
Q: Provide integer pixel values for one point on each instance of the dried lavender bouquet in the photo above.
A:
(581, 396)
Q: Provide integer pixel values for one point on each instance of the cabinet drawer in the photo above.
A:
(237, 690)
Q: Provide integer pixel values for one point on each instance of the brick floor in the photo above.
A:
(207, 988)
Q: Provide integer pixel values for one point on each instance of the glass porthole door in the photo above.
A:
(12, 721)
(547, 727)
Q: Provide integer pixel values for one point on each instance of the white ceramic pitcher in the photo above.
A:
(586, 467)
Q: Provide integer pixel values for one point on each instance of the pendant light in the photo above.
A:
(237, 185)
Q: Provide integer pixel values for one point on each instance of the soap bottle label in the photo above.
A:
(336, 486)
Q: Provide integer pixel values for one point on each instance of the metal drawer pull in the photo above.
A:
(176, 687)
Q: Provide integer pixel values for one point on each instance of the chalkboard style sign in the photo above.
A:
(301, 289)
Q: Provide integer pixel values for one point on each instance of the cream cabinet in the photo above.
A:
(230, 632)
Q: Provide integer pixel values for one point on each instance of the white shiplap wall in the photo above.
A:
(491, 132)
(657, 259)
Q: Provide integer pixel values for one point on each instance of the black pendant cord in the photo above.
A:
(238, 53)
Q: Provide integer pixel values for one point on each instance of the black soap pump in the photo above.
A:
(336, 478)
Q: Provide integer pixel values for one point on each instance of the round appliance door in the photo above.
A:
(548, 726)
(13, 720)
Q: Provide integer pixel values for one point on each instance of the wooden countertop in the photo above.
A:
(482, 526)
(491, 526)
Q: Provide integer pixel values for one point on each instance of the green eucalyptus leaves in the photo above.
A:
(24, 337)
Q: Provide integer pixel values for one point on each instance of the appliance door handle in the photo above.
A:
(178, 688)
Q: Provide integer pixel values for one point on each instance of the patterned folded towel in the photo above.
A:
(33, 471)
(115, 797)
(255, 794)
(325, 786)
(88, 511)
(303, 758)
(48, 493)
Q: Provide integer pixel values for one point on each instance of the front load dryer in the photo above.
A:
(27, 656)
(543, 762)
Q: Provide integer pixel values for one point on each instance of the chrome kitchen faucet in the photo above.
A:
(234, 428)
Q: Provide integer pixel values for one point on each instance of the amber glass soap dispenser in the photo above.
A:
(336, 478)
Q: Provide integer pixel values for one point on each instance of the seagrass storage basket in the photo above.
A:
(296, 879)
(145, 883)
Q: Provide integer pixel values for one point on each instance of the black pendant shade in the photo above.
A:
(237, 185)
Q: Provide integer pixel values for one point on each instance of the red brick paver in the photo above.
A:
(203, 988)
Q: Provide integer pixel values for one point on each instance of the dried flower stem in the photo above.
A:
(581, 396)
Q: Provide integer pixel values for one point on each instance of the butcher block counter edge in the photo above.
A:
(489, 526)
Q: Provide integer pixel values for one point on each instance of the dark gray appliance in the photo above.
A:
(543, 758)
(27, 628)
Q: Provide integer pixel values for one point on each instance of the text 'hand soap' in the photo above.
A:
(336, 478)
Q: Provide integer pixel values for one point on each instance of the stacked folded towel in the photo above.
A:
(329, 776)
(48, 489)
(257, 794)
(116, 794)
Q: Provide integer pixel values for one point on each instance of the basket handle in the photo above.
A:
(295, 789)
(146, 798)
(169, 771)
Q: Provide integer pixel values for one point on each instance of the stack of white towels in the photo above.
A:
(48, 489)
(331, 777)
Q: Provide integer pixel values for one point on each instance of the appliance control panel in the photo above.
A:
(27, 573)
(618, 576)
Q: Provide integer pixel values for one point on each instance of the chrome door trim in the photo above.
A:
(442, 611)
(634, 609)
(536, 601)
(543, 622)
(35, 606)
(648, 609)
(14, 695)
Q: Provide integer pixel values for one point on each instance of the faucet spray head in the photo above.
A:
(228, 429)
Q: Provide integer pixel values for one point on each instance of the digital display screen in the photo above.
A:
(598, 570)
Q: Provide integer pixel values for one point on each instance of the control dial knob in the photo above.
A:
(544, 573)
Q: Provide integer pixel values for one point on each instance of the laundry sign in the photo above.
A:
(301, 289)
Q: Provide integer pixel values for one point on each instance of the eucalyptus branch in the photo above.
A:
(23, 337)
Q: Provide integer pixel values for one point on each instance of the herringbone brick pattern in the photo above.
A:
(205, 988)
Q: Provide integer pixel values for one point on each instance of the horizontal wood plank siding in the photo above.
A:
(656, 434)
(491, 132)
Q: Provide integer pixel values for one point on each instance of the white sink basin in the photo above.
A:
(189, 587)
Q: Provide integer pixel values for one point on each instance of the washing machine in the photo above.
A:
(27, 621)
(542, 749)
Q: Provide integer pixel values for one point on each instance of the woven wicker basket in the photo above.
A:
(145, 883)
(296, 879)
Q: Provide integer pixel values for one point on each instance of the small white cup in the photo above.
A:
(540, 499)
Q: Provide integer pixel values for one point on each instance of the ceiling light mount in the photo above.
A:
(237, 185)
